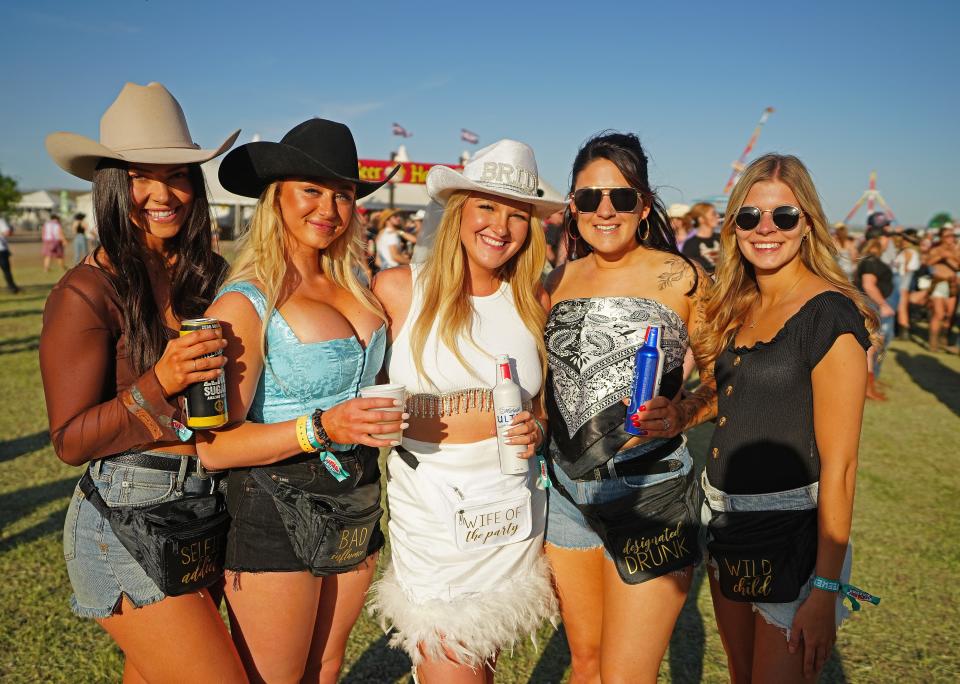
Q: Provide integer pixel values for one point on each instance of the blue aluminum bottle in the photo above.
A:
(646, 375)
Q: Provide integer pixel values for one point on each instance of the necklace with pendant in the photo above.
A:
(793, 287)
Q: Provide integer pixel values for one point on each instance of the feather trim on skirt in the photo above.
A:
(470, 629)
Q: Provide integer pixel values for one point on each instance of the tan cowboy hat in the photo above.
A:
(144, 125)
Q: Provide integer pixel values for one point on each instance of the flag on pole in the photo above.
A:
(469, 136)
(401, 131)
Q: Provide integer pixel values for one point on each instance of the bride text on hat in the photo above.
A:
(506, 174)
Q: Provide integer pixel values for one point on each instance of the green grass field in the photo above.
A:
(906, 532)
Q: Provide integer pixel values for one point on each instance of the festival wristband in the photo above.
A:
(302, 437)
(848, 591)
(543, 480)
(183, 432)
(543, 436)
(833, 586)
(311, 434)
(333, 466)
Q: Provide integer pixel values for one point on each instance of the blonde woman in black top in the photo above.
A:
(788, 335)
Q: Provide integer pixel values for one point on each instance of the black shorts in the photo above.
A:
(258, 540)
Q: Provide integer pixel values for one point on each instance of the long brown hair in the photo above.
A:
(735, 289)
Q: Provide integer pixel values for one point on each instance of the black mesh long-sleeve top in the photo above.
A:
(764, 438)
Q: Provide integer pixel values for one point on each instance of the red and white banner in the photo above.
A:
(401, 131)
(469, 136)
(374, 170)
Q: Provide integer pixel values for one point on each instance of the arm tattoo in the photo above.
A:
(676, 267)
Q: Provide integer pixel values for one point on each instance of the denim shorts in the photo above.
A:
(566, 526)
(258, 540)
(101, 570)
(779, 615)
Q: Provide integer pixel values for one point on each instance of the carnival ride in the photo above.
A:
(871, 195)
(740, 164)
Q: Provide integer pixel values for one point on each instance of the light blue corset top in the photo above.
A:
(298, 377)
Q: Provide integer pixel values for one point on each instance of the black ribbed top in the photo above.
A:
(764, 439)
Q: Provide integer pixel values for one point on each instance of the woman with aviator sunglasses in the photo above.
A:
(622, 521)
(788, 336)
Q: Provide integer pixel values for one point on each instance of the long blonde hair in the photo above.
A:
(445, 294)
(735, 289)
(262, 257)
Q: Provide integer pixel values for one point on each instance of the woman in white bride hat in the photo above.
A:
(462, 585)
(113, 368)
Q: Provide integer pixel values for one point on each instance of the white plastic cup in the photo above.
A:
(398, 392)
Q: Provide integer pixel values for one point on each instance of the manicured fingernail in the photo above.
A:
(397, 402)
(404, 426)
(405, 416)
(642, 408)
(642, 432)
(394, 442)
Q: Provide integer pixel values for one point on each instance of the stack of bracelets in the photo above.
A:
(313, 438)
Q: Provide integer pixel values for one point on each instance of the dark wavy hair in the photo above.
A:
(625, 151)
(196, 271)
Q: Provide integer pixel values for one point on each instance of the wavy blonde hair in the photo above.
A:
(446, 297)
(262, 257)
(735, 289)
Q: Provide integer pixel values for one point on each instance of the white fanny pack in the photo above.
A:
(481, 516)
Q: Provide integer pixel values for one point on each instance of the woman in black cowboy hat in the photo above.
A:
(304, 335)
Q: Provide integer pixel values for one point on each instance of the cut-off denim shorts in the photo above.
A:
(779, 615)
(566, 526)
(101, 570)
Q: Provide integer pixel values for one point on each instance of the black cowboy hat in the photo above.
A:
(316, 148)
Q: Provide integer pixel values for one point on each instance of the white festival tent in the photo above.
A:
(41, 200)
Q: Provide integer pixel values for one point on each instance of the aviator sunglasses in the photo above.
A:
(588, 200)
(785, 217)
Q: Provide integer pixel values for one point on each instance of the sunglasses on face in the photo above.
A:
(785, 217)
(588, 200)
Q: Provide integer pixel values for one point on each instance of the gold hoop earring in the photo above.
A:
(643, 238)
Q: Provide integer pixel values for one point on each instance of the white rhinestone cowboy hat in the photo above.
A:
(144, 125)
(506, 168)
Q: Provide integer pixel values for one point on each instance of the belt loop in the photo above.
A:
(182, 473)
(201, 471)
(95, 468)
(611, 468)
(596, 475)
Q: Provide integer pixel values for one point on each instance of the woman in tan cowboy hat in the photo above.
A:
(113, 367)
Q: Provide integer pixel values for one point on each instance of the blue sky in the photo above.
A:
(858, 86)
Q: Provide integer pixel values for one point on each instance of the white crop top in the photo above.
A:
(497, 329)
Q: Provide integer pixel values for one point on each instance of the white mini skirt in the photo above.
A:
(467, 575)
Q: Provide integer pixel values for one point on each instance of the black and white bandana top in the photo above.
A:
(591, 346)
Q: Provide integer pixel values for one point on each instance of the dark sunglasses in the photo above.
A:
(623, 199)
(785, 217)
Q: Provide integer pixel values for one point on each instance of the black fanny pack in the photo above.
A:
(329, 534)
(180, 544)
(763, 556)
(650, 532)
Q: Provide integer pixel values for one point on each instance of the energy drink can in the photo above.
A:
(646, 375)
(206, 402)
